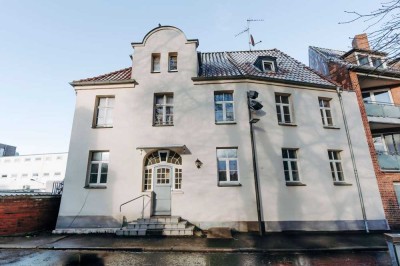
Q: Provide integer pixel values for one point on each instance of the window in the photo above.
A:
(227, 166)
(147, 179)
(38, 159)
(397, 191)
(268, 66)
(46, 174)
(104, 114)
(35, 174)
(363, 60)
(283, 108)
(57, 173)
(14, 175)
(27, 159)
(98, 168)
(178, 178)
(381, 96)
(377, 62)
(336, 166)
(155, 63)
(3, 176)
(164, 109)
(223, 105)
(173, 62)
(325, 109)
(387, 143)
(24, 175)
(59, 157)
(290, 168)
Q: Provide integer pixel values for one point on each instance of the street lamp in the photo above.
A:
(253, 106)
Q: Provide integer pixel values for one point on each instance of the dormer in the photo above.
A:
(266, 64)
(362, 55)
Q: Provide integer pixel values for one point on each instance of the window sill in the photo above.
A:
(288, 124)
(171, 125)
(172, 71)
(226, 123)
(331, 127)
(341, 183)
(97, 127)
(295, 184)
(227, 184)
(155, 72)
(177, 192)
(95, 187)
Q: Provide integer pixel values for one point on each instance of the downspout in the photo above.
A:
(353, 160)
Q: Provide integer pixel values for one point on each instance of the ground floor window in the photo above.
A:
(290, 168)
(98, 167)
(336, 166)
(227, 161)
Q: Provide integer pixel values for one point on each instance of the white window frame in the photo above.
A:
(108, 111)
(170, 55)
(333, 165)
(268, 62)
(151, 174)
(153, 63)
(324, 110)
(281, 108)
(167, 119)
(397, 192)
(372, 95)
(227, 170)
(289, 163)
(369, 57)
(224, 103)
(99, 163)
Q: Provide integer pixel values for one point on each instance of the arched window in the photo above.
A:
(158, 159)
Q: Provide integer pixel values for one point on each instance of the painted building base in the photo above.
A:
(106, 224)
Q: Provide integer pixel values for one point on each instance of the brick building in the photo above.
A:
(376, 82)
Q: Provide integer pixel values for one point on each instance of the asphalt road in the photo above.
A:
(70, 257)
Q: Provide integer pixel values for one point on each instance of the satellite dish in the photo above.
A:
(251, 40)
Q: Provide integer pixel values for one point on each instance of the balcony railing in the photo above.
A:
(378, 109)
(389, 161)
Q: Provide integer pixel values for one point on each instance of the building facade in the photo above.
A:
(376, 82)
(173, 131)
(35, 172)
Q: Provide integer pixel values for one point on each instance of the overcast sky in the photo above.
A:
(46, 44)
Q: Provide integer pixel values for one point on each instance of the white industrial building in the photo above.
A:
(36, 172)
(172, 131)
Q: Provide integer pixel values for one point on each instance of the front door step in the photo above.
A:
(157, 225)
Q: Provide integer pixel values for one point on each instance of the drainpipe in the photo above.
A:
(261, 227)
(353, 160)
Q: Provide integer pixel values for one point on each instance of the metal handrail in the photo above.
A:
(120, 206)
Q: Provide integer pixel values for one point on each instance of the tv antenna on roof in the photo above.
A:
(249, 36)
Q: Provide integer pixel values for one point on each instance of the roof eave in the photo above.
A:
(283, 81)
(101, 82)
(375, 72)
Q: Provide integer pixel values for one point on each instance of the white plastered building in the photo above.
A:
(175, 127)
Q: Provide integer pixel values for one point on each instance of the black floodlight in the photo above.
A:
(252, 94)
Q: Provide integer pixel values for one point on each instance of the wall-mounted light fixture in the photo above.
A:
(198, 163)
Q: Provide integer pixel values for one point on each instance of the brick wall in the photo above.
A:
(28, 213)
(395, 95)
(385, 180)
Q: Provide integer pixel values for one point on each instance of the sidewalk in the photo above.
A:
(241, 242)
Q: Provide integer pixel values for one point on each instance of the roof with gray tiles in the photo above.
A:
(237, 64)
(241, 63)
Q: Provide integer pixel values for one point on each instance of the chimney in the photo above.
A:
(360, 41)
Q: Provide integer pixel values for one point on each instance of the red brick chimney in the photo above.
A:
(360, 41)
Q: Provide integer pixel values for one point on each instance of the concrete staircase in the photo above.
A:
(157, 225)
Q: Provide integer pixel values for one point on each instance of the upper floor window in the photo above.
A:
(163, 109)
(227, 161)
(268, 66)
(155, 63)
(325, 110)
(336, 166)
(173, 62)
(283, 107)
(381, 96)
(290, 168)
(224, 107)
(98, 167)
(369, 60)
(104, 114)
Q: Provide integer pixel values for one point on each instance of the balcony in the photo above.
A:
(389, 161)
(382, 115)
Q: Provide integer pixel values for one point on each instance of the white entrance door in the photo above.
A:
(162, 190)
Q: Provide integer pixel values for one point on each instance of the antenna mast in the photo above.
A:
(249, 36)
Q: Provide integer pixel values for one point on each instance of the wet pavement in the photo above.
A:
(71, 257)
(243, 249)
